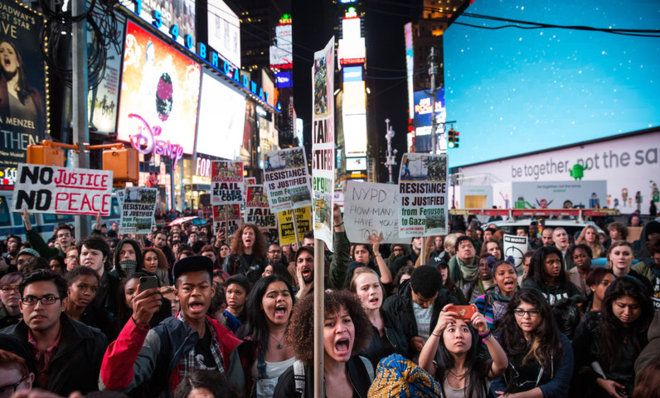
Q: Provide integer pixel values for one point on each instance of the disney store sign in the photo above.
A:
(147, 140)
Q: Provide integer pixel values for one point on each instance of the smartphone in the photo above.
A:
(148, 282)
(464, 312)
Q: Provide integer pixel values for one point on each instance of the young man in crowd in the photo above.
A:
(63, 238)
(160, 241)
(13, 247)
(464, 265)
(561, 241)
(414, 311)
(546, 237)
(156, 360)
(67, 353)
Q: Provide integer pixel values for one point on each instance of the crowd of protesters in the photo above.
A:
(186, 312)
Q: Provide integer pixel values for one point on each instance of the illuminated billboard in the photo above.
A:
(354, 118)
(351, 46)
(221, 119)
(175, 18)
(410, 65)
(284, 79)
(423, 108)
(224, 29)
(158, 97)
(281, 54)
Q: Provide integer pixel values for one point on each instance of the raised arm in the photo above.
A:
(385, 273)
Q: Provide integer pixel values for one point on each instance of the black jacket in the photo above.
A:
(389, 343)
(77, 360)
(238, 264)
(358, 375)
(398, 312)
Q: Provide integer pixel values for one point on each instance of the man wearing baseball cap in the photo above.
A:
(156, 360)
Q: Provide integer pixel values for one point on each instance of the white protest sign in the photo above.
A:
(58, 190)
(423, 192)
(137, 210)
(286, 179)
(371, 207)
(257, 211)
(226, 182)
(515, 246)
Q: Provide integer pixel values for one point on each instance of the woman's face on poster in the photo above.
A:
(8, 58)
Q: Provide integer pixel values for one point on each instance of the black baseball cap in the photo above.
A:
(192, 264)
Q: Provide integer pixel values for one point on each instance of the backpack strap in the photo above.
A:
(368, 367)
(299, 376)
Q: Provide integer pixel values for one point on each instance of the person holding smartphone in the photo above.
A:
(155, 360)
(454, 353)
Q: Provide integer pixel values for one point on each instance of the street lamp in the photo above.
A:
(391, 154)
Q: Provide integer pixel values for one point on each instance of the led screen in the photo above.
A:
(159, 95)
(541, 88)
(221, 119)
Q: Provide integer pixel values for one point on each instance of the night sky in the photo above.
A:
(514, 91)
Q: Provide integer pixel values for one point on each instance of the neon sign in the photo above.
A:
(146, 140)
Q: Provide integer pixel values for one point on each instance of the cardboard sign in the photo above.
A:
(372, 208)
(516, 246)
(323, 142)
(226, 218)
(226, 182)
(285, 225)
(257, 211)
(423, 192)
(137, 210)
(58, 190)
(286, 179)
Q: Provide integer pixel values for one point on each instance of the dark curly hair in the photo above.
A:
(300, 331)
(546, 345)
(537, 271)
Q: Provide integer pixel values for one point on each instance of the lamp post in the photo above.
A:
(391, 154)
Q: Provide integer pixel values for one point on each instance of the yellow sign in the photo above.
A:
(285, 224)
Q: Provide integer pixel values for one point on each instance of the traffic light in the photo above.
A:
(452, 139)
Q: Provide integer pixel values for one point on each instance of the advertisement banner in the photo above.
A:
(137, 210)
(58, 190)
(23, 118)
(159, 96)
(423, 192)
(226, 218)
(221, 119)
(172, 17)
(227, 185)
(285, 224)
(557, 194)
(286, 179)
(281, 54)
(102, 100)
(323, 141)
(372, 208)
(516, 247)
(257, 211)
(224, 29)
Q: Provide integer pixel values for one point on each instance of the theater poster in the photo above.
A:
(23, 118)
(159, 96)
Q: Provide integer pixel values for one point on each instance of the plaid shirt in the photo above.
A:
(188, 362)
(43, 357)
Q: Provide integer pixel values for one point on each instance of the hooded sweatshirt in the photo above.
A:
(119, 269)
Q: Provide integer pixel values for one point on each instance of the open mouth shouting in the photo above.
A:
(307, 273)
(281, 312)
(196, 307)
(343, 347)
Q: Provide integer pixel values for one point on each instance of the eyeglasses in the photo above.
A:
(9, 389)
(9, 288)
(48, 299)
(531, 313)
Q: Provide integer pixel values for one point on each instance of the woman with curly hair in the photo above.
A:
(154, 262)
(547, 275)
(346, 332)
(605, 353)
(264, 353)
(540, 357)
(248, 250)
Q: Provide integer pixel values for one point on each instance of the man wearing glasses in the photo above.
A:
(67, 353)
(63, 238)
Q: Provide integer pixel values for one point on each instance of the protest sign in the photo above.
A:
(515, 246)
(226, 182)
(323, 142)
(137, 210)
(423, 193)
(286, 179)
(285, 224)
(226, 218)
(372, 208)
(58, 190)
(257, 211)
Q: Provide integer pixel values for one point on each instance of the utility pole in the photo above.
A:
(80, 92)
(433, 70)
(391, 154)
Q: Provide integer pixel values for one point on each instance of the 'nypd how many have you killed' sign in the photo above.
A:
(58, 190)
